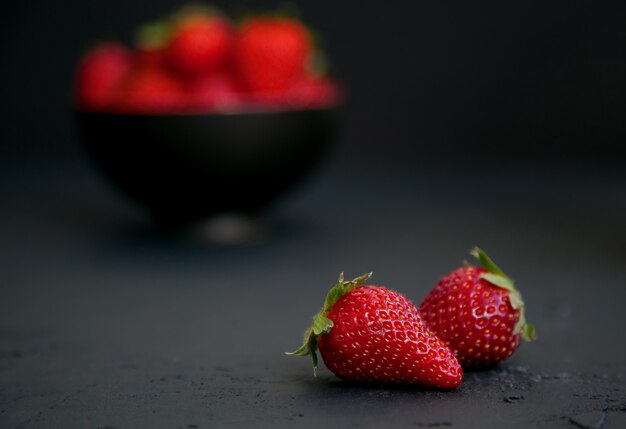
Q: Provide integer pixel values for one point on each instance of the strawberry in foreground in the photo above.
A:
(373, 334)
(478, 313)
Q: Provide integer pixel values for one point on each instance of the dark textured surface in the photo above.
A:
(105, 323)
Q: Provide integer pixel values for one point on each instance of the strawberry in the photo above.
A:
(478, 312)
(307, 93)
(152, 90)
(370, 333)
(149, 57)
(271, 53)
(314, 93)
(199, 44)
(151, 41)
(100, 74)
(215, 92)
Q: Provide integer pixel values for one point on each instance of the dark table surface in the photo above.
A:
(106, 322)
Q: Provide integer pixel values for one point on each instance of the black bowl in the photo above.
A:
(188, 167)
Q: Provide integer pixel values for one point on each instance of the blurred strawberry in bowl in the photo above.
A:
(198, 60)
(200, 44)
(151, 90)
(100, 75)
(271, 53)
(218, 92)
(202, 103)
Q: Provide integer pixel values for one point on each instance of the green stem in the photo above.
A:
(322, 324)
(496, 277)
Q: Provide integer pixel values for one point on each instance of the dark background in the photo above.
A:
(106, 322)
(423, 76)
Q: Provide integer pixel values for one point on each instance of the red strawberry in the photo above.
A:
(478, 313)
(100, 74)
(215, 92)
(151, 40)
(314, 93)
(271, 53)
(370, 333)
(149, 57)
(308, 93)
(152, 90)
(199, 44)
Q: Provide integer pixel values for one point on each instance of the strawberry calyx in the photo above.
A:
(153, 35)
(321, 324)
(496, 277)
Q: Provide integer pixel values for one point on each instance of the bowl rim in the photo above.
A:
(247, 110)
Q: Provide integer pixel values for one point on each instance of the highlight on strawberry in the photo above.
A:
(478, 312)
(199, 60)
(369, 333)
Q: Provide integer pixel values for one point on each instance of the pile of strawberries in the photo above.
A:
(472, 318)
(198, 60)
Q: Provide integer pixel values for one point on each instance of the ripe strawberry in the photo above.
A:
(271, 53)
(151, 40)
(370, 333)
(314, 93)
(478, 313)
(149, 57)
(100, 74)
(215, 92)
(152, 90)
(308, 93)
(199, 44)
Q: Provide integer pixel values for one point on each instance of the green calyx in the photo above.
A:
(153, 35)
(322, 324)
(496, 277)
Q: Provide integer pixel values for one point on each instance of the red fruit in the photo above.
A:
(152, 90)
(370, 333)
(149, 57)
(314, 93)
(199, 45)
(271, 54)
(100, 74)
(215, 92)
(478, 313)
(308, 93)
